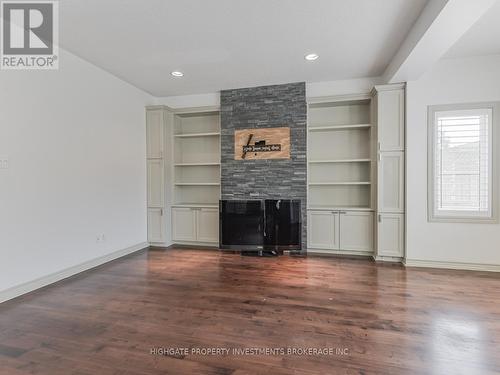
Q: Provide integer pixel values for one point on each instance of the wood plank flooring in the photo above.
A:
(377, 319)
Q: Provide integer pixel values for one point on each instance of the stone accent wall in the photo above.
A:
(265, 107)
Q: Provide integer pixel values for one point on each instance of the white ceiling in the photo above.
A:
(222, 44)
(483, 38)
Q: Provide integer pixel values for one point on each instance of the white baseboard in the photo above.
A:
(195, 244)
(158, 244)
(452, 265)
(380, 258)
(340, 252)
(30, 286)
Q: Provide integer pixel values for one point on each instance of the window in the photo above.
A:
(461, 176)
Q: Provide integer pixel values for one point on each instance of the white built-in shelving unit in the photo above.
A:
(340, 158)
(340, 154)
(183, 164)
(196, 155)
(356, 174)
(196, 176)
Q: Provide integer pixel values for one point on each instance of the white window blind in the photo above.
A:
(462, 163)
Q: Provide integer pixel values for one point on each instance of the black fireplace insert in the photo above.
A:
(271, 224)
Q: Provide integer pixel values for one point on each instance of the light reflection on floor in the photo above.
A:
(457, 345)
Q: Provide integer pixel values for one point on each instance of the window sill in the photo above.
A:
(462, 219)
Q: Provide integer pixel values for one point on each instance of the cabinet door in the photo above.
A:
(356, 230)
(323, 230)
(156, 227)
(390, 120)
(183, 224)
(154, 134)
(156, 191)
(390, 235)
(207, 227)
(391, 181)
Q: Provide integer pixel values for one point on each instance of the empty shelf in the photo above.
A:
(339, 183)
(340, 161)
(190, 135)
(196, 184)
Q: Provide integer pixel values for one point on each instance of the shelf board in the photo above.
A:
(340, 161)
(337, 208)
(338, 127)
(196, 184)
(196, 205)
(192, 135)
(339, 183)
(195, 164)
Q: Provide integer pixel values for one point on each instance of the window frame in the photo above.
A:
(461, 216)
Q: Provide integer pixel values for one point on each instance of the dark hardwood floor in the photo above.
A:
(391, 320)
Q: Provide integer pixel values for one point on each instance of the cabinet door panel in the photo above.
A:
(391, 235)
(183, 224)
(154, 134)
(208, 225)
(390, 121)
(356, 231)
(323, 230)
(155, 183)
(156, 227)
(391, 182)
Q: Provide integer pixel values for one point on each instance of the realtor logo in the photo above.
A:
(30, 31)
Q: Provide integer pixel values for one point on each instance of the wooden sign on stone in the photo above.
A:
(262, 143)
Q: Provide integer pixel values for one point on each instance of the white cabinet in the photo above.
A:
(323, 229)
(156, 225)
(390, 120)
(183, 224)
(207, 226)
(195, 224)
(156, 183)
(356, 230)
(390, 235)
(158, 124)
(390, 117)
(391, 182)
(340, 230)
(155, 134)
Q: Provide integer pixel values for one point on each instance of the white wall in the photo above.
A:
(325, 88)
(76, 143)
(343, 87)
(183, 101)
(450, 81)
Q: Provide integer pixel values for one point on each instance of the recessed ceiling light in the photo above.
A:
(176, 73)
(311, 56)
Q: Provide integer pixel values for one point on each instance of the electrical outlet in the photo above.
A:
(4, 162)
(100, 238)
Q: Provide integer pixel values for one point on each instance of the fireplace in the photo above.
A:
(265, 109)
(255, 225)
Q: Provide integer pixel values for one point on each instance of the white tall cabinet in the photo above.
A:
(158, 123)
(390, 123)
